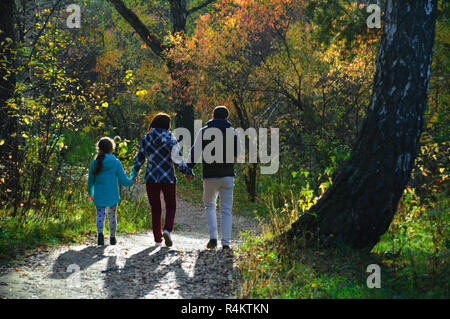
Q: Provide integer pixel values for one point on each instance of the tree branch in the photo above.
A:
(200, 6)
(149, 38)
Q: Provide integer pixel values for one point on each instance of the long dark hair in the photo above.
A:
(105, 146)
(161, 120)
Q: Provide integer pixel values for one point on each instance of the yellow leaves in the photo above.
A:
(231, 22)
(2, 142)
(128, 77)
(141, 93)
(26, 120)
(105, 104)
(434, 119)
(323, 187)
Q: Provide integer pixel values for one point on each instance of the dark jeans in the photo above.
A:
(170, 199)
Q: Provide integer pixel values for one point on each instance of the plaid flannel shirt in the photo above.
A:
(158, 145)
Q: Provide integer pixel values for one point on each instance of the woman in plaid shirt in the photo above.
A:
(157, 146)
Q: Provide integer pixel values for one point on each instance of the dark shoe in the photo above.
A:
(226, 247)
(101, 240)
(167, 239)
(212, 244)
(113, 241)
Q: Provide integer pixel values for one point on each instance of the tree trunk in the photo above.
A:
(10, 156)
(360, 205)
(250, 173)
(179, 14)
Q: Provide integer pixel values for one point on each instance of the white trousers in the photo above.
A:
(212, 187)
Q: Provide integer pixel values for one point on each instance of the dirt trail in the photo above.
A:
(134, 268)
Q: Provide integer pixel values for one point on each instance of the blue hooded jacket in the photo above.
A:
(104, 186)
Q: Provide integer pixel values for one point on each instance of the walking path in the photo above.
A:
(134, 268)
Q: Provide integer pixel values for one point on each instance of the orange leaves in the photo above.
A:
(23, 274)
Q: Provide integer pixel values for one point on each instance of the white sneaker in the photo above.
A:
(167, 238)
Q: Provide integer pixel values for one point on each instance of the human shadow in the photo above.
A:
(141, 273)
(212, 277)
(144, 272)
(76, 260)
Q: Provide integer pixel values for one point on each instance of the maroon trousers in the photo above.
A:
(170, 199)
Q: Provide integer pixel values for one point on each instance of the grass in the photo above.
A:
(413, 256)
(70, 223)
(413, 264)
(267, 272)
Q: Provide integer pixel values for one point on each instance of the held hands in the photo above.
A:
(189, 178)
(90, 197)
(135, 181)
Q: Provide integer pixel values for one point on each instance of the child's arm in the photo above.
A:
(122, 176)
(91, 180)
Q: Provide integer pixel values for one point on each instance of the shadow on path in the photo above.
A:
(167, 270)
(141, 273)
(158, 272)
(81, 258)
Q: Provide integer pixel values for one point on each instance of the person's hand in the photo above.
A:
(90, 197)
(189, 178)
(135, 181)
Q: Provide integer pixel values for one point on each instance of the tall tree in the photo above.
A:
(359, 207)
(9, 139)
(179, 12)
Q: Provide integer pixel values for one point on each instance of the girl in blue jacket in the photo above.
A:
(104, 174)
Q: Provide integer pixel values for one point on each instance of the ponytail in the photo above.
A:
(104, 146)
(99, 164)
